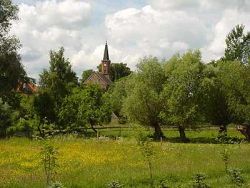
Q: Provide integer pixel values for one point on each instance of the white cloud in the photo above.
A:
(161, 28)
(147, 31)
(230, 18)
(48, 25)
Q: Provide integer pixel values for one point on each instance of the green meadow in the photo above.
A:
(92, 162)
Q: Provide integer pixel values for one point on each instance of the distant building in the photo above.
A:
(101, 78)
(28, 87)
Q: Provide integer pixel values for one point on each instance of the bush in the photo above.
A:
(199, 181)
(56, 185)
(236, 177)
(5, 118)
(114, 184)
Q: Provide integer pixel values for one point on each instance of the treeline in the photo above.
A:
(182, 91)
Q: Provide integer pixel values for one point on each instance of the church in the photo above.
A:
(101, 78)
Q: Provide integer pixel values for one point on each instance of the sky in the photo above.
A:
(133, 28)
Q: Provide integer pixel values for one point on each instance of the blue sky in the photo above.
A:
(134, 29)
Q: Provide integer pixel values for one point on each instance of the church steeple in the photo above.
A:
(106, 53)
(106, 62)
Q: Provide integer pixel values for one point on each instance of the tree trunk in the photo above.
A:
(92, 127)
(183, 134)
(223, 130)
(158, 134)
(248, 133)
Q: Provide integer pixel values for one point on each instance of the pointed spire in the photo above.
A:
(106, 53)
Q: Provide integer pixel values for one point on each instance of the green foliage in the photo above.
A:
(181, 92)
(8, 12)
(143, 103)
(56, 83)
(236, 177)
(214, 107)
(235, 79)
(225, 156)
(86, 74)
(114, 184)
(56, 185)
(44, 107)
(5, 118)
(147, 151)
(199, 181)
(117, 71)
(49, 160)
(60, 77)
(11, 69)
(84, 107)
(116, 96)
(238, 45)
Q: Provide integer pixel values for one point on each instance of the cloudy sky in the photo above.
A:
(133, 29)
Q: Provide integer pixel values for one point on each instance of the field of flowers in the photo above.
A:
(94, 163)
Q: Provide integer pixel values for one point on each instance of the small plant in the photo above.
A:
(225, 155)
(236, 177)
(114, 184)
(56, 185)
(162, 184)
(199, 181)
(49, 160)
(147, 152)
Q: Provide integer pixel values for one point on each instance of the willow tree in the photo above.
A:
(181, 92)
(143, 104)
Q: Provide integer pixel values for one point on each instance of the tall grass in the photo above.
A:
(94, 163)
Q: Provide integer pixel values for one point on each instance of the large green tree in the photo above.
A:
(56, 83)
(84, 107)
(214, 105)
(181, 92)
(11, 69)
(143, 103)
(238, 45)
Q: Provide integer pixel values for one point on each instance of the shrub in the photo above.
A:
(199, 181)
(114, 184)
(236, 177)
(56, 185)
(49, 159)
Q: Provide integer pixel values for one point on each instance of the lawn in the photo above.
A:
(94, 163)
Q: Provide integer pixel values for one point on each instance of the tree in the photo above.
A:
(56, 83)
(11, 69)
(86, 74)
(117, 70)
(84, 107)
(238, 45)
(214, 105)
(143, 104)
(236, 78)
(59, 75)
(181, 91)
(116, 96)
(5, 118)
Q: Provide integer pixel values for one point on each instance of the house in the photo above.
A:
(28, 87)
(101, 78)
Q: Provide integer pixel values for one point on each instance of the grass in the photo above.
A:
(94, 163)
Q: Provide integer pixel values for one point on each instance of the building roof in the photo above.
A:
(27, 88)
(106, 53)
(101, 76)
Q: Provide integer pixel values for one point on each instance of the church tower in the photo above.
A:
(101, 78)
(106, 62)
